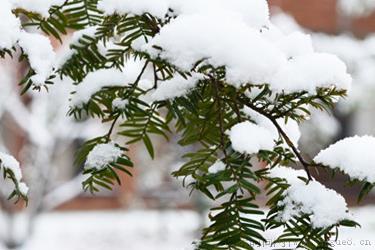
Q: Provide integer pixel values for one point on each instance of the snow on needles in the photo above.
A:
(249, 138)
(40, 53)
(190, 38)
(217, 167)
(311, 71)
(291, 128)
(253, 12)
(235, 34)
(10, 163)
(102, 155)
(156, 8)
(97, 80)
(66, 52)
(37, 47)
(119, 104)
(354, 156)
(325, 206)
(289, 174)
(9, 25)
(252, 51)
(177, 86)
(101, 78)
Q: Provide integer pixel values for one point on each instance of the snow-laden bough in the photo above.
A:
(324, 206)
(102, 155)
(354, 156)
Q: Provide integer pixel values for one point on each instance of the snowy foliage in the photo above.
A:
(37, 47)
(175, 87)
(94, 82)
(102, 155)
(9, 162)
(358, 55)
(11, 169)
(119, 104)
(354, 156)
(261, 138)
(310, 199)
(40, 54)
(233, 85)
(217, 167)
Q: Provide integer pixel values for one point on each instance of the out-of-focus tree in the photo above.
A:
(47, 142)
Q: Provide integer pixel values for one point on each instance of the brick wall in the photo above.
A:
(322, 16)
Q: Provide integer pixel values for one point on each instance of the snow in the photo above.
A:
(354, 156)
(24, 189)
(37, 47)
(97, 80)
(356, 8)
(9, 162)
(358, 54)
(254, 13)
(175, 87)
(345, 46)
(307, 72)
(289, 174)
(291, 128)
(156, 8)
(115, 230)
(89, 31)
(258, 8)
(245, 42)
(38, 6)
(102, 155)
(159, 230)
(296, 44)
(325, 206)
(66, 52)
(9, 26)
(189, 38)
(40, 54)
(251, 53)
(288, 64)
(217, 167)
(119, 104)
(249, 138)
(349, 238)
(101, 78)
(285, 23)
(145, 84)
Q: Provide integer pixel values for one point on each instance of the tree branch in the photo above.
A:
(135, 84)
(304, 163)
(221, 125)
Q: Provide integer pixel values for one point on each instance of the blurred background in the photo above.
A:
(152, 210)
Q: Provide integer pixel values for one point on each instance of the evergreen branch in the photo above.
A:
(112, 126)
(304, 163)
